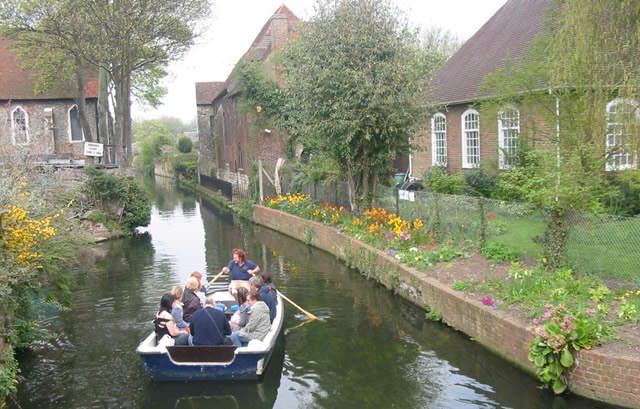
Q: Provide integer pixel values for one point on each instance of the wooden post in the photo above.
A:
(260, 180)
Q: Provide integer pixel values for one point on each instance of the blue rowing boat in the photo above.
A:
(207, 363)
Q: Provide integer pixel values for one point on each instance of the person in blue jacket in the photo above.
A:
(241, 270)
(258, 285)
(208, 326)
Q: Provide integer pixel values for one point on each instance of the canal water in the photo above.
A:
(374, 351)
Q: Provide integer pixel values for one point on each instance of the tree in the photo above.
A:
(355, 75)
(152, 135)
(130, 41)
(185, 144)
(588, 58)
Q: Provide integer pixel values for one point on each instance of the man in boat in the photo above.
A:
(258, 325)
(241, 270)
(208, 326)
(257, 284)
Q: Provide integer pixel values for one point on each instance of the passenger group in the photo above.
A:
(188, 317)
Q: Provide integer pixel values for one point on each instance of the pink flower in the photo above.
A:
(487, 301)
(535, 321)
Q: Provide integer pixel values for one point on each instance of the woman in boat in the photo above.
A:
(178, 311)
(165, 324)
(258, 324)
(268, 282)
(239, 318)
(190, 300)
(203, 288)
(241, 270)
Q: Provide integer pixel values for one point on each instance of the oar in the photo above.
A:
(307, 313)
(213, 280)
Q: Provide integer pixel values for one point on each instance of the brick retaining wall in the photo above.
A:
(602, 377)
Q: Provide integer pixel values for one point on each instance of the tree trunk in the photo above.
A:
(103, 132)
(558, 245)
(119, 116)
(126, 119)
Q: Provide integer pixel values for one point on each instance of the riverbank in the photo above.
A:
(598, 374)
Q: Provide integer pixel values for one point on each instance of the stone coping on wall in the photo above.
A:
(595, 375)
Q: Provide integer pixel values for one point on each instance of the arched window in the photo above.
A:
(620, 116)
(439, 140)
(75, 127)
(470, 139)
(20, 126)
(508, 134)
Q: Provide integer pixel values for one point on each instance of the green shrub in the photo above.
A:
(499, 252)
(97, 216)
(185, 144)
(123, 190)
(186, 165)
(440, 181)
(479, 183)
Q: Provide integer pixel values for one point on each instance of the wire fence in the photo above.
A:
(602, 245)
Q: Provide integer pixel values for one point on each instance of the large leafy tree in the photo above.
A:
(129, 41)
(354, 77)
(588, 57)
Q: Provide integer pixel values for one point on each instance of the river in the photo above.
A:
(375, 350)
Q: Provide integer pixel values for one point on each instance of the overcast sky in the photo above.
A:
(236, 23)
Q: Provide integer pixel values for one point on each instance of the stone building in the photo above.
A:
(232, 139)
(46, 124)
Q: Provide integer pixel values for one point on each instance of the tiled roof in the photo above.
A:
(506, 35)
(19, 84)
(206, 92)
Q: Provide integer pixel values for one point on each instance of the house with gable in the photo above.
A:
(232, 139)
(46, 124)
(460, 136)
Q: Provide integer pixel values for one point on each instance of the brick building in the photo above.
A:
(231, 139)
(460, 137)
(47, 124)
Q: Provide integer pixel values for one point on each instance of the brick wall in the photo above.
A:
(532, 123)
(596, 375)
(207, 147)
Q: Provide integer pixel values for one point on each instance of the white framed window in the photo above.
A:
(620, 114)
(19, 126)
(75, 127)
(508, 134)
(439, 140)
(470, 139)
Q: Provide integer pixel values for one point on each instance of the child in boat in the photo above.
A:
(165, 324)
(258, 324)
(239, 318)
(177, 311)
(202, 291)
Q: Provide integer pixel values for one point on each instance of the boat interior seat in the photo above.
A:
(217, 353)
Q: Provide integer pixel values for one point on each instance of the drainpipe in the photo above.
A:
(557, 140)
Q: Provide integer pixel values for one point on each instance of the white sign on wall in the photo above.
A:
(93, 149)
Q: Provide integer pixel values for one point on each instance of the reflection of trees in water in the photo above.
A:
(222, 235)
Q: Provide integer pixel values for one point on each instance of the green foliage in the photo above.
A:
(152, 135)
(186, 165)
(8, 373)
(461, 286)
(125, 191)
(97, 216)
(354, 76)
(479, 183)
(440, 181)
(433, 315)
(558, 334)
(185, 144)
(499, 252)
(244, 208)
